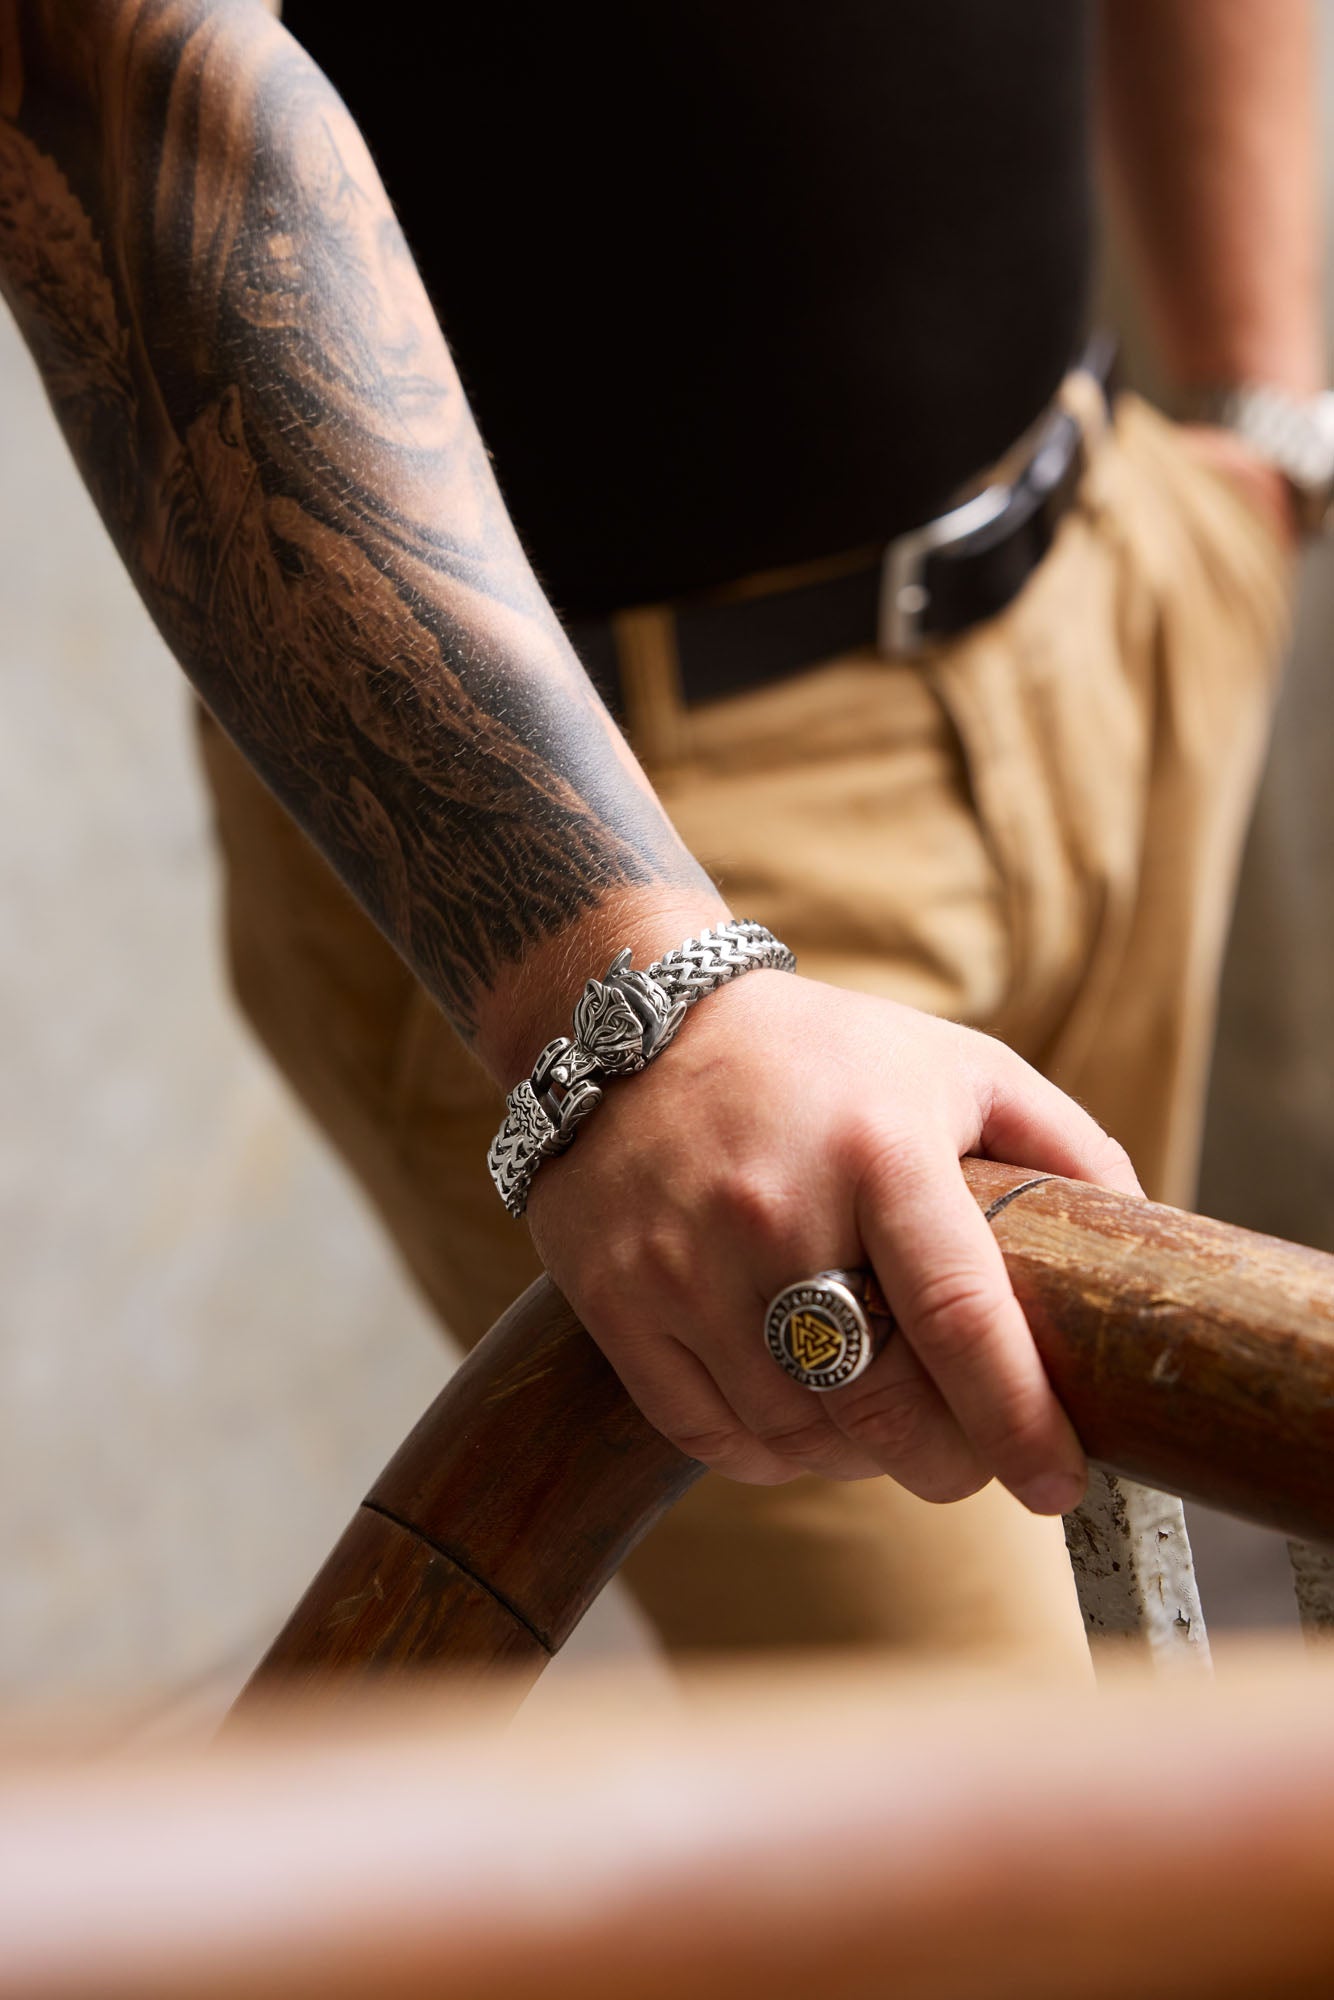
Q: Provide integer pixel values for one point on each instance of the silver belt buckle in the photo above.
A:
(904, 598)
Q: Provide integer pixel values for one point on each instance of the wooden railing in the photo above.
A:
(837, 1834)
(1191, 1355)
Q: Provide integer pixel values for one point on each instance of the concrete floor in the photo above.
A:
(204, 1350)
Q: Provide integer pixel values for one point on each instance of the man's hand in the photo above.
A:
(1261, 485)
(790, 1128)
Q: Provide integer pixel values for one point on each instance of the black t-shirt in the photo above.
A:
(733, 285)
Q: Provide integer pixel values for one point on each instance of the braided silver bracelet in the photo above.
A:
(620, 1023)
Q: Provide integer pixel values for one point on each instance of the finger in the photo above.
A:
(679, 1397)
(793, 1422)
(896, 1412)
(946, 1282)
(1029, 1122)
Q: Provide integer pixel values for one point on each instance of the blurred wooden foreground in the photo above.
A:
(820, 1836)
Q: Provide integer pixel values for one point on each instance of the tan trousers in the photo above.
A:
(1036, 831)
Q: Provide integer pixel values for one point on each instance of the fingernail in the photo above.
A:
(1054, 1493)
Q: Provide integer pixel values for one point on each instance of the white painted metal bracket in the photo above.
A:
(1132, 1563)
(1313, 1580)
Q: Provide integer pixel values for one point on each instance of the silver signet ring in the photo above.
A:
(827, 1330)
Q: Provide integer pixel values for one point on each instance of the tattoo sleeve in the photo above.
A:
(231, 330)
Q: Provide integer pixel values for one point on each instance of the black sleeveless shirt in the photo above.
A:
(732, 285)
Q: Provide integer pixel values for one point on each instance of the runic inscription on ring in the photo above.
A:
(818, 1332)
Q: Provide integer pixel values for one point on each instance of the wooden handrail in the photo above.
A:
(1190, 1354)
(836, 1834)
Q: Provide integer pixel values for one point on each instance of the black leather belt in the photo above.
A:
(928, 585)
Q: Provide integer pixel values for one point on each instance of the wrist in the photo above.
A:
(621, 1024)
(1253, 478)
(1291, 357)
(535, 998)
(1289, 437)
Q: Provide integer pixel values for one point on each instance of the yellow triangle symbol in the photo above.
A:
(812, 1341)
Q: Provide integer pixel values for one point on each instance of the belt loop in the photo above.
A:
(650, 673)
(1082, 396)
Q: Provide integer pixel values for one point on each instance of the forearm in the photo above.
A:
(1210, 127)
(252, 380)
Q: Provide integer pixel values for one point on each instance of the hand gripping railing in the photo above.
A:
(1189, 1354)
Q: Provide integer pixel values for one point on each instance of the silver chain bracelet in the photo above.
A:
(621, 1022)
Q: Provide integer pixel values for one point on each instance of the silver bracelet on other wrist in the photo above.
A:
(621, 1022)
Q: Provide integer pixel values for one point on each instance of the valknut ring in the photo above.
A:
(827, 1330)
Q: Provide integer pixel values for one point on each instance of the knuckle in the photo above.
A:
(893, 1423)
(611, 1276)
(891, 1171)
(952, 1312)
(755, 1204)
(598, 1301)
(996, 1060)
(863, 1143)
(1111, 1161)
(801, 1441)
(728, 1449)
(663, 1257)
(1016, 1432)
(714, 1445)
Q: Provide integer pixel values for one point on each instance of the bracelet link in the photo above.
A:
(621, 1022)
(562, 1083)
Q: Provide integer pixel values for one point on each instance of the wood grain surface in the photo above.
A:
(1191, 1355)
(532, 1475)
(387, 1601)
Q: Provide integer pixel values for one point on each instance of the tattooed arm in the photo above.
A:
(198, 250)
(251, 378)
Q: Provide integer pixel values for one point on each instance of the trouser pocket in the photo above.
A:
(1114, 722)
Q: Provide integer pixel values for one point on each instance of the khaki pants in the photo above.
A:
(1035, 831)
